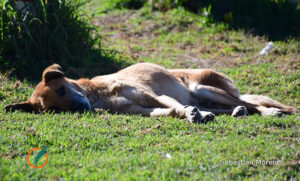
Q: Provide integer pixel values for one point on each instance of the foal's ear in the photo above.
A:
(24, 106)
(52, 72)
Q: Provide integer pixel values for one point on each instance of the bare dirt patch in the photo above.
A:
(154, 39)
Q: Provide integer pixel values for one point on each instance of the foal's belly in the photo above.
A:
(158, 79)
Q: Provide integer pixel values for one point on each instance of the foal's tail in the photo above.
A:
(267, 102)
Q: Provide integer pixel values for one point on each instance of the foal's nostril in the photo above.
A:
(80, 104)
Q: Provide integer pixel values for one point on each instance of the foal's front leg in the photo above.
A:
(148, 103)
(192, 114)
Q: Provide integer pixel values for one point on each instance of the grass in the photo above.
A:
(106, 146)
(44, 32)
(122, 147)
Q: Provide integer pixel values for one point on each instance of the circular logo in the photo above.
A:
(36, 158)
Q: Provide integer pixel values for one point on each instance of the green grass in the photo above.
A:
(44, 32)
(123, 147)
(133, 147)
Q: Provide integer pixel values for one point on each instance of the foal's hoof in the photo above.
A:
(207, 116)
(239, 111)
(272, 111)
(193, 114)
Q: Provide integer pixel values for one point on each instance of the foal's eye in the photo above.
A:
(61, 91)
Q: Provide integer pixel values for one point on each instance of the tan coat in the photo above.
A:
(150, 90)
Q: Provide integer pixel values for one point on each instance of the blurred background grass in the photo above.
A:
(37, 33)
(276, 19)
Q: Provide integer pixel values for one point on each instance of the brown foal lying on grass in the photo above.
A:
(149, 90)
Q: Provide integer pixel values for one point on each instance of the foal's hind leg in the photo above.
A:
(219, 96)
(222, 97)
(212, 85)
(268, 106)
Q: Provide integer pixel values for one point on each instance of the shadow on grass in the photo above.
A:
(277, 20)
(98, 64)
(36, 34)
